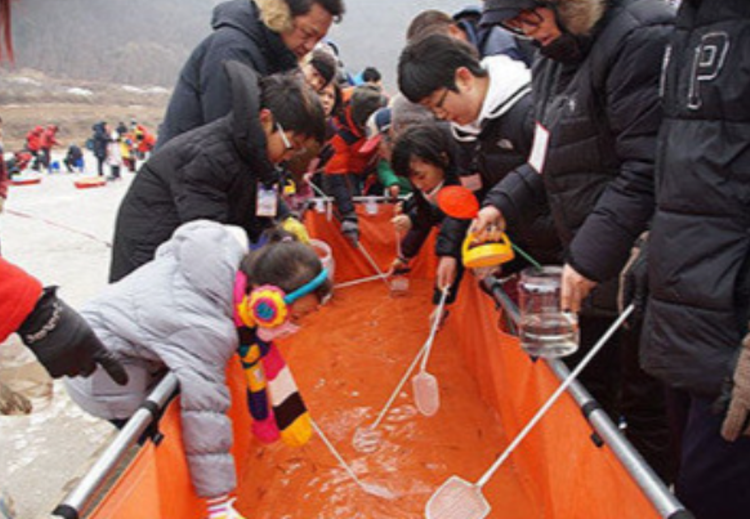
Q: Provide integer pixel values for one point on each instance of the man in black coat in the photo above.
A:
(696, 328)
(269, 36)
(100, 141)
(597, 110)
(223, 171)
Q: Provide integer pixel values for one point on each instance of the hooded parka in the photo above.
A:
(202, 91)
(602, 112)
(699, 249)
(175, 314)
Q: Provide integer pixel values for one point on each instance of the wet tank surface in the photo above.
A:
(347, 361)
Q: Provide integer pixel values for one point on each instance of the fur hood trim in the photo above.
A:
(580, 16)
(276, 15)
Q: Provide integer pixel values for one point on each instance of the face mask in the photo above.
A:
(566, 49)
(283, 330)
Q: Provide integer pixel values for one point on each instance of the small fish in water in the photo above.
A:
(367, 439)
(378, 491)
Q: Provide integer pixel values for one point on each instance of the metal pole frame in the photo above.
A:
(79, 499)
(665, 503)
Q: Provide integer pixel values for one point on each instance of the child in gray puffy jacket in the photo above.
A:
(181, 313)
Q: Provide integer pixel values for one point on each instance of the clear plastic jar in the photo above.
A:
(545, 330)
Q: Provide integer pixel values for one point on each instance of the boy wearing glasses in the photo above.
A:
(489, 105)
(224, 171)
(597, 112)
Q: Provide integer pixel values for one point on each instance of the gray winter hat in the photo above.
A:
(497, 11)
(404, 113)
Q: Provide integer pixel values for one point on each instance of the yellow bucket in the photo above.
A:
(489, 254)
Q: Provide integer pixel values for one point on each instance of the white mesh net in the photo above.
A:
(457, 499)
(426, 393)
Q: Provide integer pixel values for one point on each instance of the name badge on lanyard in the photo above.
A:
(471, 182)
(538, 155)
(267, 202)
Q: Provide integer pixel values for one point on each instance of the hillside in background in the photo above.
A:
(141, 42)
(29, 98)
(145, 42)
(81, 61)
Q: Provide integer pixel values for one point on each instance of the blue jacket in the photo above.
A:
(493, 40)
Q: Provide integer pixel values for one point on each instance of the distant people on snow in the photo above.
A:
(100, 141)
(47, 141)
(73, 160)
(33, 144)
(115, 155)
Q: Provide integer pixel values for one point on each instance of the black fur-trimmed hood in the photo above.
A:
(580, 16)
(248, 134)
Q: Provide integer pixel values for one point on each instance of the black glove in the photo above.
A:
(634, 283)
(350, 229)
(63, 341)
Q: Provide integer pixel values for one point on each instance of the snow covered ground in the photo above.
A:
(59, 234)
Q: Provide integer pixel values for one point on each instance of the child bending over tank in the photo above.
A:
(425, 155)
(189, 311)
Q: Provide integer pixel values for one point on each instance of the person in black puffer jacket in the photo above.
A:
(695, 335)
(218, 171)
(267, 35)
(596, 104)
(489, 105)
(100, 141)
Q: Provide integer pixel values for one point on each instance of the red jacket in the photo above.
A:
(346, 144)
(19, 293)
(34, 138)
(47, 139)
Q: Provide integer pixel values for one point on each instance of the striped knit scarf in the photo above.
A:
(272, 395)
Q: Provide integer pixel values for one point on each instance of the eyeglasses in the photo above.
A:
(528, 18)
(437, 107)
(441, 101)
(288, 146)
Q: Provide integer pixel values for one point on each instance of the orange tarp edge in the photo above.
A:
(558, 464)
(157, 484)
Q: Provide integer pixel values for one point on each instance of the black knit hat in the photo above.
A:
(497, 11)
(325, 63)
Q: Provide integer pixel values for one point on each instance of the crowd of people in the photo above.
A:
(606, 137)
(120, 148)
(117, 149)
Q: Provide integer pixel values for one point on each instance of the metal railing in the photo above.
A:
(80, 499)
(665, 503)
